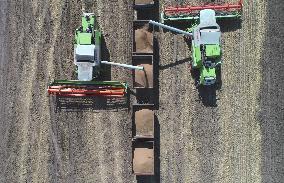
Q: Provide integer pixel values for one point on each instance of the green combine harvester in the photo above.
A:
(87, 58)
(205, 35)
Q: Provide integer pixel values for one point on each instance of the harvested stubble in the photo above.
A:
(241, 140)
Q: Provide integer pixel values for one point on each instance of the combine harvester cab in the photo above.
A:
(204, 33)
(87, 58)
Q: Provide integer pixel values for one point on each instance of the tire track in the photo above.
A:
(26, 74)
(226, 138)
(3, 92)
(271, 96)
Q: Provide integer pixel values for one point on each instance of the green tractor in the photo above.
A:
(87, 58)
(204, 33)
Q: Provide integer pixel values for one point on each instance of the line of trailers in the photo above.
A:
(143, 118)
(204, 33)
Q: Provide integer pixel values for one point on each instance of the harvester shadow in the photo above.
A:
(78, 104)
(157, 149)
(207, 95)
(105, 74)
(162, 67)
(156, 63)
(155, 178)
(229, 25)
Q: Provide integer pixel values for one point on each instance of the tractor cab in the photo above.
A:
(211, 55)
(207, 76)
(85, 34)
(210, 58)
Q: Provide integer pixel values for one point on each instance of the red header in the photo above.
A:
(190, 9)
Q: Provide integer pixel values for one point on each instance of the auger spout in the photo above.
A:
(123, 65)
(170, 28)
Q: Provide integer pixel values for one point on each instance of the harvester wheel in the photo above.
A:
(190, 65)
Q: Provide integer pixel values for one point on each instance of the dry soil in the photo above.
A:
(236, 136)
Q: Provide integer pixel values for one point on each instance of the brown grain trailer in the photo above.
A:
(143, 157)
(143, 121)
(143, 78)
(143, 37)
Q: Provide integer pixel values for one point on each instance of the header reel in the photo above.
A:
(192, 12)
(75, 88)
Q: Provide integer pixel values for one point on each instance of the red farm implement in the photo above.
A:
(69, 88)
(192, 12)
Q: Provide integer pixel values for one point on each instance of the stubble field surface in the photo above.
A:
(238, 139)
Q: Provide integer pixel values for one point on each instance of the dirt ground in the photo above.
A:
(238, 139)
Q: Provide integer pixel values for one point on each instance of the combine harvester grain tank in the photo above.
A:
(87, 58)
(204, 33)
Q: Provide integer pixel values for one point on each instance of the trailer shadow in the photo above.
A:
(78, 104)
(156, 73)
(147, 12)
